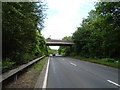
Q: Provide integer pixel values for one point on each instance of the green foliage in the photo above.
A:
(51, 51)
(22, 23)
(99, 61)
(63, 50)
(108, 59)
(7, 64)
(99, 34)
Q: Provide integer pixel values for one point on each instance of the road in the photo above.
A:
(71, 73)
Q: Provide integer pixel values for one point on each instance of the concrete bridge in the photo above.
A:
(53, 42)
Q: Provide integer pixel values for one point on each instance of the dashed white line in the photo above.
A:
(73, 64)
(113, 83)
(46, 75)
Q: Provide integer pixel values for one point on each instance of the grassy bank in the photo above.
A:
(37, 68)
(105, 61)
(29, 78)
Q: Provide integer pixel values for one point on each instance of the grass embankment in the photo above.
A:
(29, 78)
(37, 68)
(105, 61)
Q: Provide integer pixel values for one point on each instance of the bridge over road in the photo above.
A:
(53, 42)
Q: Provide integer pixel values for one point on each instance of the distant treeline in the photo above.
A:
(99, 34)
(21, 37)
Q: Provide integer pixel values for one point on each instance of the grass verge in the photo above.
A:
(37, 68)
(29, 78)
(98, 61)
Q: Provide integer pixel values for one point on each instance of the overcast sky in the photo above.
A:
(64, 16)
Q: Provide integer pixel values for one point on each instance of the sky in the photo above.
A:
(64, 16)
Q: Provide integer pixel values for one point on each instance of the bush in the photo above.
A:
(7, 64)
(109, 59)
(26, 57)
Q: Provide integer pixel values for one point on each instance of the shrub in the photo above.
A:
(7, 64)
(109, 59)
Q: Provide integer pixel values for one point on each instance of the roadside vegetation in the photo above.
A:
(51, 51)
(98, 37)
(22, 41)
(29, 78)
(105, 61)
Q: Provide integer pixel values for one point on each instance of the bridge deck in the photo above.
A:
(59, 42)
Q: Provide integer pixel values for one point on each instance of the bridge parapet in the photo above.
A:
(53, 42)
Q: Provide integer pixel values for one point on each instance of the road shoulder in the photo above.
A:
(40, 81)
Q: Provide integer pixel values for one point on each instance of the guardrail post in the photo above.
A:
(16, 77)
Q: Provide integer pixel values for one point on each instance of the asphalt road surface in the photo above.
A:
(71, 73)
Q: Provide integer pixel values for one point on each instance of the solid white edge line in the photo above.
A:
(73, 64)
(113, 83)
(46, 75)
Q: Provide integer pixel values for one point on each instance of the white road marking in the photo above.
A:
(113, 83)
(62, 59)
(73, 64)
(46, 75)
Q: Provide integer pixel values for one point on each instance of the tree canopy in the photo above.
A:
(63, 49)
(21, 25)
(99, 34)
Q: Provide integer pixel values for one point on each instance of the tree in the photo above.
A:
(21, 39)
(99, 34)
(63, 50)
